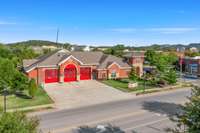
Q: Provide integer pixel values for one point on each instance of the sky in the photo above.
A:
(101, 22)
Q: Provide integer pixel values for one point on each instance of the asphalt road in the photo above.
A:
(145, 114)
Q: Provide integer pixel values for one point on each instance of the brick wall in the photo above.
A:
(137, 63)
(102, 74)
(38, 74)
(62, 68)
(120, 72)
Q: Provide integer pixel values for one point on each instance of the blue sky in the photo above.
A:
(101, 22)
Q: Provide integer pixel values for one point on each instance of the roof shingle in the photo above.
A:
(87, 58)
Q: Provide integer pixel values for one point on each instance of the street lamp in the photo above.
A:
(144, 81)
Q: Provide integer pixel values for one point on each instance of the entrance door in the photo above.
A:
(70, 73)
(85, 73)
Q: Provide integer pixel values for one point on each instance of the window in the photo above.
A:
(113, 74)
(103, 75)
(193, 68)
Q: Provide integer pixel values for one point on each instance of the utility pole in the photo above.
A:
(57, 35)
(181, 67)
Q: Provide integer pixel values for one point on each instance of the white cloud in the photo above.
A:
(124, 30)
(172, 30)
(7, 23)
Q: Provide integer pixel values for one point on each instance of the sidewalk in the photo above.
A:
(33, 108)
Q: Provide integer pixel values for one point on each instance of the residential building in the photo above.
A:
(80, 48)
(194, 49)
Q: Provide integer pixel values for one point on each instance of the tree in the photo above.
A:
(5, 52)
(171, 58)
(17, 122)
(20, 82)
(189, 120)
(164, 63)
(151, 57)
(32, 88)
(133, 76)
(171, 76)
(10, 77)
(191, 54)
(117, 50)
(7, 73)
(67, 46)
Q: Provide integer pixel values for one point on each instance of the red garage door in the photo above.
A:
(85, 73)
(70, 73)
(51, 75)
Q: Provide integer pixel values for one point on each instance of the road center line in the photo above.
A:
(146, 124)
(97, 121)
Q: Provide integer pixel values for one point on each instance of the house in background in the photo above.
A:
(64, 66)
(194, 49)
(80, 48)
(191, 65)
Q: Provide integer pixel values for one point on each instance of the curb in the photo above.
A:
(32, 108)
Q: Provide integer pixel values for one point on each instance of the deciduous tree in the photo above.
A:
(189, 120)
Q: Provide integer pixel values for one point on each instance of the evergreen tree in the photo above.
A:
(32, 88)
(133, 76)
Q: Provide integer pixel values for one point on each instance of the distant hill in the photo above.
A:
(197, 45)
(163, 47)
(36, 43)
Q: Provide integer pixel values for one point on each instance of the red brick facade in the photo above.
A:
(72, 69)
(39, 73)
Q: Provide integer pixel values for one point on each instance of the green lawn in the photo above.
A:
(14, 102)
(123, 86)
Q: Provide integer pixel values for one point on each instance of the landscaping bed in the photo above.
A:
(141, 89)
(23, 100)
(123, 85)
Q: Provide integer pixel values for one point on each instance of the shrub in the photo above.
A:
(32, 88)
(133, 76)
(17, 122)
(124, 80)
(171, 76)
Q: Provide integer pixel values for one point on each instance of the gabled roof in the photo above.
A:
(48, 60)
(88, 57)
(110, 59)
(85, 58)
